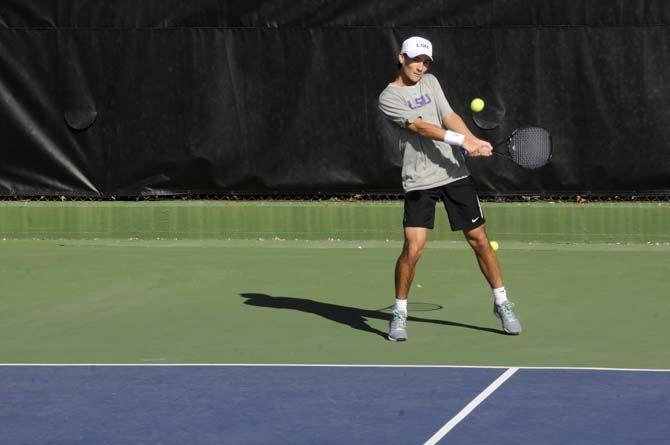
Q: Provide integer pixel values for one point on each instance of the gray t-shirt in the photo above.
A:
(425, 163)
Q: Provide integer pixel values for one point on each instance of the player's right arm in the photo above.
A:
(397, 111)
(473, 145)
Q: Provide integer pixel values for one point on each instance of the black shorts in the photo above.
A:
(460, 201)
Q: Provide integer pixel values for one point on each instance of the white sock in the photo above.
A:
(400, 305)
(499, 295)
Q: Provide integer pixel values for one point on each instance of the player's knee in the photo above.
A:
(482, 245)
(412, 253)
(479, 243)
(415, 254)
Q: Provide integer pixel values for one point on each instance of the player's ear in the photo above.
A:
(401, 58)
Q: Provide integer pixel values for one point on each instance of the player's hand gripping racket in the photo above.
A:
(528, 147)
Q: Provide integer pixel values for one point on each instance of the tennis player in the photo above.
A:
(433, 139)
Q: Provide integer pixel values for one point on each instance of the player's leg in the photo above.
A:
(418, 219)
(488, 263)
(415, 241)
(465, 214)
(486, 256)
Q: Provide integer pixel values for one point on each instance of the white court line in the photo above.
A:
(470, 407)
(308, 365)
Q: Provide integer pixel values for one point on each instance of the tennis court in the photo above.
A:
(202, 207)
(256, 320)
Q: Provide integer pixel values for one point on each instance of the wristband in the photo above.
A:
(453, 138)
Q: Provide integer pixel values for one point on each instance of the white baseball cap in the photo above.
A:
(415, 46)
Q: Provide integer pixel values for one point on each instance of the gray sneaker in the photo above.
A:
(398, 326)
(510, 323)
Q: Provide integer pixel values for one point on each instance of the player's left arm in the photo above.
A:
(454, 122)
(471, 143)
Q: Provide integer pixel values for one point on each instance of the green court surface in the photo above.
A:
(221, 282)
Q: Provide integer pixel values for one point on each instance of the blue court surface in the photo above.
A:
(331, 405)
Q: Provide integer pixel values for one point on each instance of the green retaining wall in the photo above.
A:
(647, 222)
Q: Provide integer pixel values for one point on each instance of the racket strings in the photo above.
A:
(530, 147)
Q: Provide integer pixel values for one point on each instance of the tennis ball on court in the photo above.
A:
(494, 245)
(477, 105)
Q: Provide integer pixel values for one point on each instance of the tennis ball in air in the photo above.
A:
(477, 105)
(494, 245)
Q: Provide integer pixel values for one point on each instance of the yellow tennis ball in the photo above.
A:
(477, 105)
(494, 245)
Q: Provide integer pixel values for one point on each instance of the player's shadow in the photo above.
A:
(351, 316)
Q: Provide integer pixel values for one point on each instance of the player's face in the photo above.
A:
(414, 68)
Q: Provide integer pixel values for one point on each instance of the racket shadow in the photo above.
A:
(353, 317)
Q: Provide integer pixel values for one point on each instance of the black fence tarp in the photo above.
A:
(121, 98)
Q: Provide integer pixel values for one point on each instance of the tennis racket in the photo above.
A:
(528, 147)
